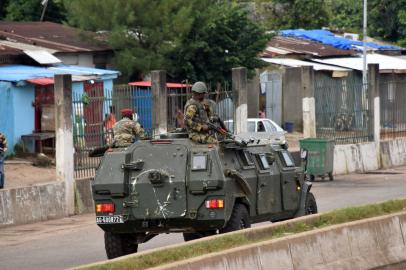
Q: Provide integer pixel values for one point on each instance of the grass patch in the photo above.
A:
(230, 241)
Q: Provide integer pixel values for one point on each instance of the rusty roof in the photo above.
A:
(280, 46)
(50, 35)
(5, 50)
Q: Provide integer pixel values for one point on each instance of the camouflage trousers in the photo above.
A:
(202, 138)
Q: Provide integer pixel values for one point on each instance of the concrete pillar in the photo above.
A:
(239, 80)
(64, 137)
(308, 102)
(159, 103)
(374, 123)
(253, 92)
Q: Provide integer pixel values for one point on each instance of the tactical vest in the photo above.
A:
(201, 114)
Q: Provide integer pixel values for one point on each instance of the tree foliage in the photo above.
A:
(220, 38)
(195, 39)
(346, 15)
(293, 14)
(31, 10)
(387, 20)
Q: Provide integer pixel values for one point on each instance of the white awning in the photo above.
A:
(42, 57)
(387, 64)
(299, 63)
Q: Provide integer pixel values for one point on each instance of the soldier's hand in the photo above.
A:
(205, 127)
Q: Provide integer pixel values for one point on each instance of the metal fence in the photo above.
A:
(392, 108)
(96, 110)
(341, 109)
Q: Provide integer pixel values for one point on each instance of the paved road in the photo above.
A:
(68, 242)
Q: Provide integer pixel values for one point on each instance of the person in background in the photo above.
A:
(261, 114)
(127, 131)
(109, 123)
(3, 149)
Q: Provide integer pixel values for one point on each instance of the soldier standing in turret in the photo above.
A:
(197, 115)
(126, 131)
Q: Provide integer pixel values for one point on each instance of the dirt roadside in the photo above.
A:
(21, 173)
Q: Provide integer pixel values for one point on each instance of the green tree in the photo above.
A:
(195, 39)
(3, 5)
(221, 37)
(141, 32)
(346, 15)
(31, 10)
(293, 14)
(387, 20)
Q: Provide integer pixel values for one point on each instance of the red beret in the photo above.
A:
(127, 112)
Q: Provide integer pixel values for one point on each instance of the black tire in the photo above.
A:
(117, 245)
(312, 177)
(193, 236)
(310, 205)
(239, 219)
(330, 176)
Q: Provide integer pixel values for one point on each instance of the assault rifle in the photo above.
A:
(222, 131)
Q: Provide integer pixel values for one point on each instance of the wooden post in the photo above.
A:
(239, 81)
(159, 103)
(253, 101)
(64, 138)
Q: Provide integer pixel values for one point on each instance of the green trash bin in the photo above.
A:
(320, 157)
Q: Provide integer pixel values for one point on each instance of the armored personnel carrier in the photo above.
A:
(175, 185)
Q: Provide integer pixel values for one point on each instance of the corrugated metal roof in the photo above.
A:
(169, 85)
(6, 50)
(49, 81)
(298, 63)
(22, 46)
(54, 36)
(16, 73)
(289, 45)
(386, 63)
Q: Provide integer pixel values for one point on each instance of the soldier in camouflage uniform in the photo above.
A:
(197, 113)
(3, 149)
(126, 131)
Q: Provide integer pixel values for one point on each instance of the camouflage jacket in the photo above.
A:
(126, 131)
(196, 114)
(3, 143)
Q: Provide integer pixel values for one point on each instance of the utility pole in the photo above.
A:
(364, 48)
(45, 4)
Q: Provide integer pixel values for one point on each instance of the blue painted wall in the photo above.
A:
(77, 88)
(6, 113)
(24, 116)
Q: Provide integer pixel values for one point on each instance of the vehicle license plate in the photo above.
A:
(109, 219)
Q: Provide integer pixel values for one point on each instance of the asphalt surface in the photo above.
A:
(73, 241)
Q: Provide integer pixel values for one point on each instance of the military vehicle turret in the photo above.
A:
(175, 185)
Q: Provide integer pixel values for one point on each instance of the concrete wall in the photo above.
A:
(32, 204)
(375, 243)
(42, 202)
(365, 157)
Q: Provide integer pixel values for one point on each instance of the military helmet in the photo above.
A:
(199, 87)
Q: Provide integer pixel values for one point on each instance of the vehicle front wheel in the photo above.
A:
(310, 205)
(117, 245)
(239, 219)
